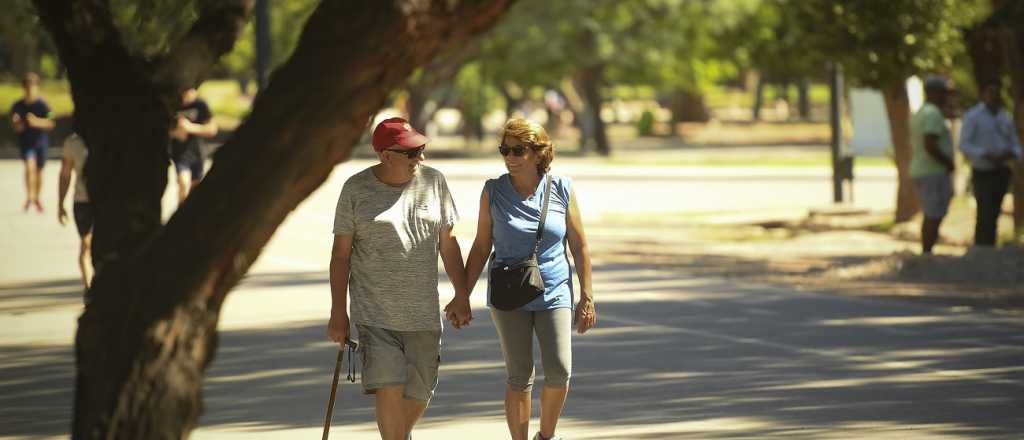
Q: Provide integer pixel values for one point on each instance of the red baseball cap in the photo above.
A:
(396, 132)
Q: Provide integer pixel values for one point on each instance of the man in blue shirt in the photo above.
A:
(989, 141)
(30, 117)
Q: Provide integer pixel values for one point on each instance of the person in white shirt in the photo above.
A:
(990, 142)
(73, 165)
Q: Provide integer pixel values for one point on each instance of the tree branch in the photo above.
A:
(212, 35)
(81, 30)
(318, 104)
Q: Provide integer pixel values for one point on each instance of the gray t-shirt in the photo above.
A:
(393, 273)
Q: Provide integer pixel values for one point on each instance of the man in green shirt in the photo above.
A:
(931, 164)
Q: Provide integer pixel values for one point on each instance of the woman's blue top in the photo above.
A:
(514, 223)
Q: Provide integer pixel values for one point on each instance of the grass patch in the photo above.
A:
(694, 225)
(810, 159)
(225, 99)
(56, 93)
(222, 95)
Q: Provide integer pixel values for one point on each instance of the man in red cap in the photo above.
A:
(392, 221)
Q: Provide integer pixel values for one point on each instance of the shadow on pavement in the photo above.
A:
(35, 296)
(673, 357)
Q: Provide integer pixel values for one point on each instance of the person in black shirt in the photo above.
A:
(30, 118)
(192, 122)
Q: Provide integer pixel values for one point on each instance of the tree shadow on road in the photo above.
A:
(674, 356)
(29, 297)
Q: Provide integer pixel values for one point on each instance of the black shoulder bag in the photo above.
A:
(515, 285)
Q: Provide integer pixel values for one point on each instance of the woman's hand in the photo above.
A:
(459, 312)
(586, 315)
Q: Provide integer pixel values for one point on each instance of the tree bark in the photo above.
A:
(755, 110)
(415, 107)
(512, 101)
(897, 106)
(687, 106)
(590, 79)
(804, 98)
(1013, 51)
(992, 51)
(145, 340)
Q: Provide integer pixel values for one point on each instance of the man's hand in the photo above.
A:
(180, 129)
(458, 312)
(17, 123)
(586, 315)
(62, 215)
(338, 328)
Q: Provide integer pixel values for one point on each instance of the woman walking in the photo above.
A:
(511, 210)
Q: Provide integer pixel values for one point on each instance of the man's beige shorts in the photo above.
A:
(396, 358)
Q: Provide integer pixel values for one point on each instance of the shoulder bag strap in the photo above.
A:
(543, 216)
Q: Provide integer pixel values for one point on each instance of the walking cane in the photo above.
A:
(350, 346)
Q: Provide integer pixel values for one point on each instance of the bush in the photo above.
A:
(645, 125)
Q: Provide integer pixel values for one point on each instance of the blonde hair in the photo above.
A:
(533, 135)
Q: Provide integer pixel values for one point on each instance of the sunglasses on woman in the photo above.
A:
(517, 151)
(412, 153)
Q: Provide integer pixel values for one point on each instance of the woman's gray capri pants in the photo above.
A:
(554, 333)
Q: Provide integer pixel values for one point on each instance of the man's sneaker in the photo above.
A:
(541, 437)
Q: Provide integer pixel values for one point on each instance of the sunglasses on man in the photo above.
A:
(517, 151)
(411, 153)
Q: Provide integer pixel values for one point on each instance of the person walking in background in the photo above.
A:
(73, 165)
(31, 120)
(931, 163)
(510, 211)
(988, 138)
(192, 122)
(392, 221)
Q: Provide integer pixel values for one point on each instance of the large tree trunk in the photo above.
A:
(513, 99)
(804, 98)
(755, 108)
(992, 51)
(687, 106)
(1013, 44)
(140, 350)
(897, 107)
(589, 80)
(416, 107)
(146, 339)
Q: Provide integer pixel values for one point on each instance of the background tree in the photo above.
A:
(996, 47)
(768, 39)
(881, 44)
(21, 49)
(286, 19)
(432, 85)
(149, 333)
(675, 48)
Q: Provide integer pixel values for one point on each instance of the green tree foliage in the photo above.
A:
(672, 45)
(23, 43)
(880, 42)
(286, 19)
(767, 36)
(150, 27)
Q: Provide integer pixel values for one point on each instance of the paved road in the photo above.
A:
(676, 356)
